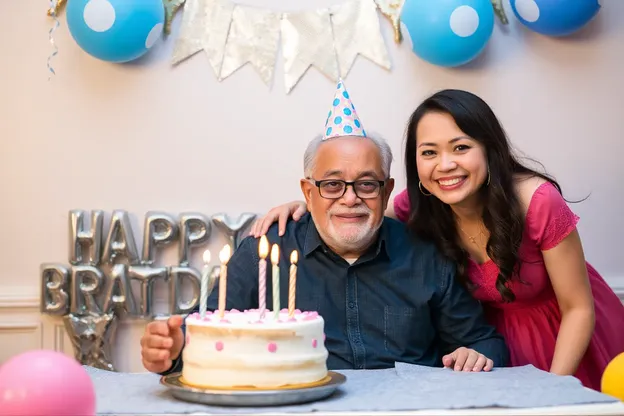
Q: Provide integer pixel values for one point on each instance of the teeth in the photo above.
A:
(450, 182)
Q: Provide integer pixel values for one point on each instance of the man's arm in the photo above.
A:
(242, 287)
(461, 323)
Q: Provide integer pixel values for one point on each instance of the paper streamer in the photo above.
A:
(55, 26)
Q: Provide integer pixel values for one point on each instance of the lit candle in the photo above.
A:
(292, 283)
(276, 280)
(224, 256)
(203, 297)
(263, 251)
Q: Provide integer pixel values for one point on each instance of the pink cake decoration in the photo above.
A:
(272, 347)
(311, 316)
(219, 346)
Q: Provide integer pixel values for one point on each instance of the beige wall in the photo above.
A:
(146, 136)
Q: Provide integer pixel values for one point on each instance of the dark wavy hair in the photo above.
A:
(503, 216)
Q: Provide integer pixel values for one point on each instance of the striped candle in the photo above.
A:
(292, 283)
(224, 256)
(276, 280)
(203, 294)
(263, 251)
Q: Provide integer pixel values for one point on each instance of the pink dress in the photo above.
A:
(531, 323)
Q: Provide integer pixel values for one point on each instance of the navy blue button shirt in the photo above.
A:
(399, 301)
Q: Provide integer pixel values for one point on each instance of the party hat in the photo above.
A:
(342, 119)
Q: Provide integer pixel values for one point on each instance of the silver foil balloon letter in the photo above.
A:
(84, 245)
(146, 277)
(118, 296)
(177, 276)
(54, 289)
(233, 228)
(194, 231)
(160, 229)
(92, 336)
(86, 282)
(120, 241)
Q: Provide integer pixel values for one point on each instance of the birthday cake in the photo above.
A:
(240, 350)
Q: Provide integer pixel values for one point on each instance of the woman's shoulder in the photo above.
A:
(548, 217)
(531, 189)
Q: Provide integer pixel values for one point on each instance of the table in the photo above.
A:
(404, 388)
(585, 410)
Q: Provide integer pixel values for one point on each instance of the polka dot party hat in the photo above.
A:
(342, 119)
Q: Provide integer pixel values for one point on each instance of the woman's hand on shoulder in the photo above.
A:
(280, 213)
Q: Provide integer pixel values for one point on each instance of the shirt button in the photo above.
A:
(351, 305)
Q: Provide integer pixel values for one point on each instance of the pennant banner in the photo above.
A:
(307, 40)
(253, 38)
(357, 31)
(392, 10)
(233, 35)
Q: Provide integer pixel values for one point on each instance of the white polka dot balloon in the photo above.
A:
(448, 32)
(116, 30)
(555, 17)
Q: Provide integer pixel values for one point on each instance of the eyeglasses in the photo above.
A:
(336, 188)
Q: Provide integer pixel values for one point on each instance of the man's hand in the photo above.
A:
(465, 359)
(161, 344)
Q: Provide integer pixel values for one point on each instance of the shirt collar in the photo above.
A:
(313, 240)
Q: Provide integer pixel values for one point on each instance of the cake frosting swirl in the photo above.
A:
(241, 349)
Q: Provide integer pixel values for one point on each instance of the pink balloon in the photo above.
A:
(45, 383)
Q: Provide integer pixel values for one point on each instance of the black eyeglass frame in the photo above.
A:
(318, 184)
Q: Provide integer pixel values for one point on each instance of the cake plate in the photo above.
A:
(252, 397)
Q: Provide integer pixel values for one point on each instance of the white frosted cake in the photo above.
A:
(240, 350)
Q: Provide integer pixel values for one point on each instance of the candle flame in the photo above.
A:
(225, 253)
(275, 254)
(294, 256)
(207, 256)
(263, 247)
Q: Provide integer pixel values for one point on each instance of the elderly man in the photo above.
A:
(385, 296)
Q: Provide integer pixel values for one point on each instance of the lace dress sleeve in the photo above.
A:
(549, 219)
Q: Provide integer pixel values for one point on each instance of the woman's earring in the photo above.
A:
(421, 189)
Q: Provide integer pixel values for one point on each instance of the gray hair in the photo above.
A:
(385, 152)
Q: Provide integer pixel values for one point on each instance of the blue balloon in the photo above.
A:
(555, 17)
(448, 32)
(115, 30)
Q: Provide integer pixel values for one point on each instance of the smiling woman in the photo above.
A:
(512, 236)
